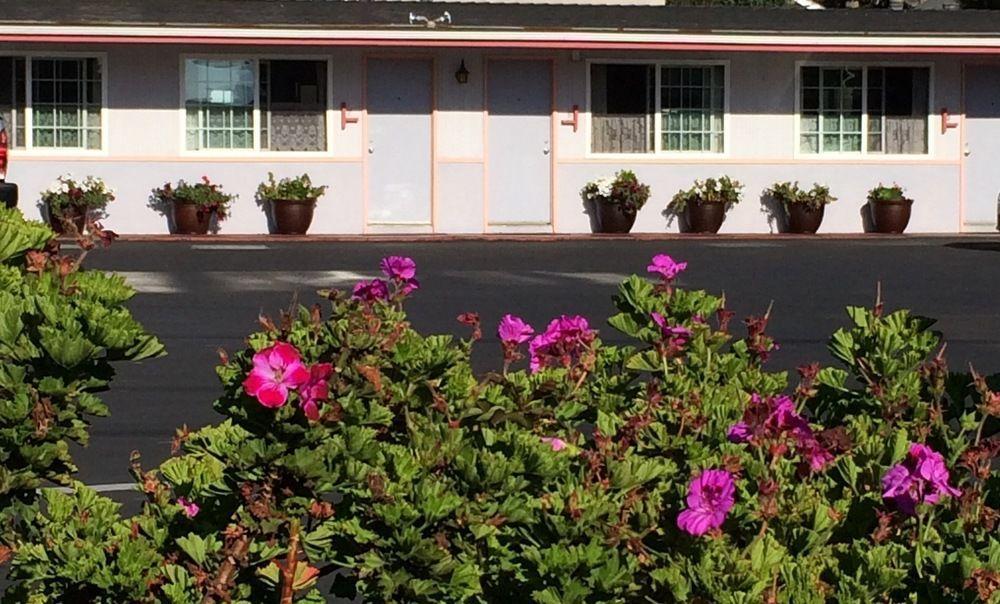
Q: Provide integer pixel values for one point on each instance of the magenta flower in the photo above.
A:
(402, 271)
(920, 478)
(276, 370)
(775, 422)
(513, 330)
(711, 495)
(370, 291)
(399, 268)
(561, 344)
(664, 266)
(676, 336)
(190, 508)
(557, 444)
(316, 390)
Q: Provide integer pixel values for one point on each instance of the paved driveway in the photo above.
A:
(199, 297)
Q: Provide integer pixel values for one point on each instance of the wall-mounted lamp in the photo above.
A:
(462, 75)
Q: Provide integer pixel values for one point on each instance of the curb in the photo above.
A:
(547, 238)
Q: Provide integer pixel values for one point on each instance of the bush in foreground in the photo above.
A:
(358, 452)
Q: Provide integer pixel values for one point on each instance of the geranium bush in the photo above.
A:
(360, 454)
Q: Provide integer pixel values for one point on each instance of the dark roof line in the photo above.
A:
(394, 15)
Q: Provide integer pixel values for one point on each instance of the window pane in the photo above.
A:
(621, 106)
(293, 99)
(66, 103)
(906, 109)
(831, 105)
(12, 95)
(691, 112)
(219, 97)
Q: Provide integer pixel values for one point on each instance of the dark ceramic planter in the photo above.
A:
(8, 194)
(891, 216)
(72, 215)
(613, 218)
(189, 221)
(803, 219)
(704, 217)
(292, 217)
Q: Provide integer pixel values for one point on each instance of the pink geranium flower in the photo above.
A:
(276, 370)
(399, 268)
(316, 390)
(557, 444)
(922, 477)
(774, 421)
(402, 271)
(664, 266)
(513, 330)
(190, 508)
(561, 344)
(370, 291)
(711, 495)
(676, 336)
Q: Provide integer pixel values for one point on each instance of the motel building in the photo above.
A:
(449, 117)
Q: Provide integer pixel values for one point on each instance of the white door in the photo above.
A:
(400, 101)
(982, 140)
(519, 140)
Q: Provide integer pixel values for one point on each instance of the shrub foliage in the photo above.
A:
(366, 458)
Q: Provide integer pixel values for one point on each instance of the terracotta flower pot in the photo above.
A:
(891, 216)
(8, 194)
(71, 214)
(292, 217)
(804, 219)
(705, 217)
(613, 218)
(188, 220)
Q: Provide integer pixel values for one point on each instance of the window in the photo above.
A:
(278, 105)
(875, 110)
(293, 99)
(66, 109)
(691, 108)
(647, 108)
(219, 104)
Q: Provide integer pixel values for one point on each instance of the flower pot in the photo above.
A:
(8, 194)
(704, 217)
(190, 219)
(71, 214)
(613, 218)
(891, 216)
(292, 217)
(804, 219)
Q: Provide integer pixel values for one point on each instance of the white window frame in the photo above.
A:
(658, 151)
(29, 149)
(863, 153)
(256, 151)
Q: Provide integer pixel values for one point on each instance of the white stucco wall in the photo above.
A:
(145, 145)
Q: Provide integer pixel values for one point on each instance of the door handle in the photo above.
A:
(371, 148)
(966, 151)
(545, 149)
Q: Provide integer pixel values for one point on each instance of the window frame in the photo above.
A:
(258, 114)
(864, 153)
(658, 152)
(29, 149)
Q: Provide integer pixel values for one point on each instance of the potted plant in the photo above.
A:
(704, 205)
(71, 202)
(803, 209)
(193, 205)
(890, 208)
(291, 202)
(617, 200)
